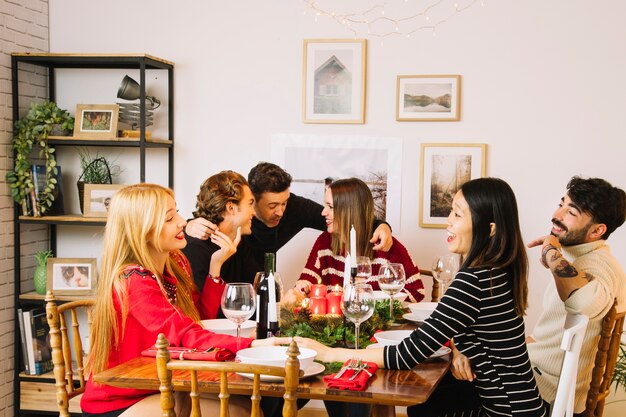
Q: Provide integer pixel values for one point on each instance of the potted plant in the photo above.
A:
(33, 130)
(95, 170)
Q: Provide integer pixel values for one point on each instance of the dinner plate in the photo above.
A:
(443, 350)
(410, 317)
(314, 369)
(381, 295)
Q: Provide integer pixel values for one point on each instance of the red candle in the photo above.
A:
(318, 290)
(333, 302)
(317, 305)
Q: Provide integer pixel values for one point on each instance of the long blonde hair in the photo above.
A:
(136, 216)
(353, 204)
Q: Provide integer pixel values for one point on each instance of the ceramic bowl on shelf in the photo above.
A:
(421, 311)
(391, 337)
(275, 356)
(225, 326)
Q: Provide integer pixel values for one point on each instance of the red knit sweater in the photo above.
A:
(149, 313)
(322, 264)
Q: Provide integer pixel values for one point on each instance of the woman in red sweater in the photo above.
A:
(349, 202)
(144, 289)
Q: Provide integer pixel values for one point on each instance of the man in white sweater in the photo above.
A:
(587, 278)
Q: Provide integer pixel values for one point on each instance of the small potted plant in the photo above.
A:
(33, 130)
(95, 170)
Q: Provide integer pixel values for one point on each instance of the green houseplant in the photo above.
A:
(95, 170)
(32, 131)
(619, 376)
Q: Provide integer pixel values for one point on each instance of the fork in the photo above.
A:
(351, 365)
(361, 366)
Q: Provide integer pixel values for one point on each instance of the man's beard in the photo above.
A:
(572, 237)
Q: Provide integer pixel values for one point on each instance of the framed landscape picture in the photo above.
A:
(333, 86)
(428, 98)
(445, 167)
(97, 121)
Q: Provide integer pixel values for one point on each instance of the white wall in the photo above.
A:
(543, 86)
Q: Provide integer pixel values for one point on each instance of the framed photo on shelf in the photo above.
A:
(333, 85)
(96, 121)
(444, 168)
(428, 98)
(71, 276)
(97, 199)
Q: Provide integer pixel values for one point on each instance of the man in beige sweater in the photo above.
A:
(587, 278)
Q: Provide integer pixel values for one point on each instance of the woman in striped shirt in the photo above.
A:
(482, 310)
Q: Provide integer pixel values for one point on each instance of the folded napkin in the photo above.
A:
(182, 353)
(357, 384)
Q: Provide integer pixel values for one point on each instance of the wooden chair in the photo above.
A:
(434, 294)
(291, 373)
(69, 376)
(573, 335)
(604, 366)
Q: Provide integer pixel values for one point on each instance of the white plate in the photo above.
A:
(412, 318)
(444, 350)
(314, 369)
(225, 326)
(381, 295)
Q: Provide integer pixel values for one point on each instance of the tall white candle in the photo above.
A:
(271, 308)
(346, 270)
(353, 246)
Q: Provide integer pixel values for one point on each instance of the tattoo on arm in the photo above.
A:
(565, 270)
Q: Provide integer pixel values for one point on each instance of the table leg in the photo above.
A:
(379, 410)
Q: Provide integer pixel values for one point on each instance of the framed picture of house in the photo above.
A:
(333, 86)
(428, 98)
(445, 167)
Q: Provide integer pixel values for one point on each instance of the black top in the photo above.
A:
(299, 213)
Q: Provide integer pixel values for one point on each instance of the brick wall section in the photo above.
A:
(23, 28)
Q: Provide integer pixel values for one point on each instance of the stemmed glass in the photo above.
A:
(357, 304)
(391, 280)
(238, 304)
(363, 269)
(444, 269)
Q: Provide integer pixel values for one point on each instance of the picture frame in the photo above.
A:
(96, 121)
(333, 81)
(97, 197)
(444, 167)
(428, 98)
(71, 276)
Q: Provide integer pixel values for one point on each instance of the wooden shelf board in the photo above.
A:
(65, 218)
(118, 139)
(33, 296)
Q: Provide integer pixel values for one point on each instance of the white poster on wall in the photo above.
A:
(314, 160)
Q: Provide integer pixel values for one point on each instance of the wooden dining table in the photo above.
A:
(386, 389)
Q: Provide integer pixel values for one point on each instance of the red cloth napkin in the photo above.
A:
(357, 384)
(182, 353)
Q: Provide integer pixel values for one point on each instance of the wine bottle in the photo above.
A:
(268, 291)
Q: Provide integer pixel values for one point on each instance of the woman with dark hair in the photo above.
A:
(482, 310)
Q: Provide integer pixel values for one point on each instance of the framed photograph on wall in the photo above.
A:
(97, 199)
(71, 276)
(444, 168)
(333, 86)
(96, 121)
(428, 98)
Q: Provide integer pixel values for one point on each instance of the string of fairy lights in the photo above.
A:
(403, 18)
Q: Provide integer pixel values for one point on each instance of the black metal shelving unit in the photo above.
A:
(52, 62)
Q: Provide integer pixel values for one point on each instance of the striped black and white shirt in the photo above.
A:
(478, 311)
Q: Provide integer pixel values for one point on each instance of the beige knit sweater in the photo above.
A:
(594, 300)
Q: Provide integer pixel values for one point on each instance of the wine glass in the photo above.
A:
(357, 304)
(444, 269)
(363, 269)
(391, 280)
(238, 304)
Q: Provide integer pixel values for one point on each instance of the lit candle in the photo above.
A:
(318, 290)
(333, 301)
(317, 305)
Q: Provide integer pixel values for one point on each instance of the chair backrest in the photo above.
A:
(604, 366)
(434, 294)
(69, 376)
(291, 373)
(573, 335)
